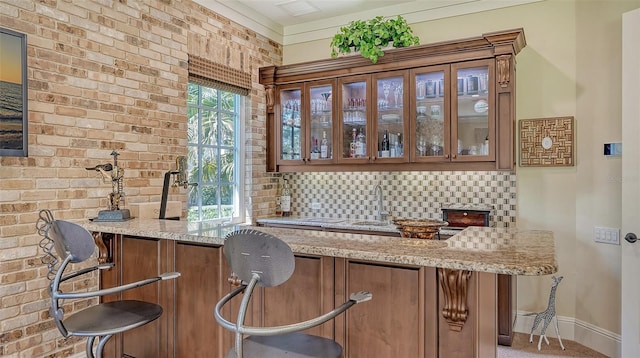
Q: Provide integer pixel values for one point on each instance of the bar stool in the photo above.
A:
(74, 244)
(260, 259)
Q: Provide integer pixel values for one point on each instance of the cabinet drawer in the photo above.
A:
(464, 218)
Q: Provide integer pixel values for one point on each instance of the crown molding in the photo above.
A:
(413, 12)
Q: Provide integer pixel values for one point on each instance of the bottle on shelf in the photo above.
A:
(361, 144)
(324, 146)
(399, 150)
(315, 151)
(353, 145)
(384, 150)
(285, 199)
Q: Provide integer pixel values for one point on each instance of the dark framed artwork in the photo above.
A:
(13, 94)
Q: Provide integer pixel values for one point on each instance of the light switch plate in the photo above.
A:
(607, 235)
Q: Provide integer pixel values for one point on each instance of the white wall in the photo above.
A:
(570, 67)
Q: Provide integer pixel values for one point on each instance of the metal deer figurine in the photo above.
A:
(547, 315)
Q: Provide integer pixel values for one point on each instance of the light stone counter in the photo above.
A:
(484, 249)
(328, 223)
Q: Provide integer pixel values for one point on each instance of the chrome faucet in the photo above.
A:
(382, 215)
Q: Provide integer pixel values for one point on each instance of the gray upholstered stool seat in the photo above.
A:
(290, 345)
(260, 259)
(112, 317)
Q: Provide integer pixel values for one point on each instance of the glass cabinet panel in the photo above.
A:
(354, 134)
(320, 134)
(390, 125)
(473, 124)
(290, 125)
(431, 123)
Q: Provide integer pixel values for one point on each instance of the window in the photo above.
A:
(214, 156)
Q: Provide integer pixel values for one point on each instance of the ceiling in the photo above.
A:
(294, 21)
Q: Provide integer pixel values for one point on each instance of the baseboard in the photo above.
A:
(594, 337)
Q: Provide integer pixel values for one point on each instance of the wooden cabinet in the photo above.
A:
(404, 318)
(202, 282)
(307, 294)
(453, 119)
(400, 320)
(306, 134)
(441, 106)
(150, 339)
(506, 284)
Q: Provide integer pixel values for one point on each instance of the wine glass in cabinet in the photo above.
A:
(430, 125)
(355, 128)
(390, 123)
(472, 111)
(319, 133)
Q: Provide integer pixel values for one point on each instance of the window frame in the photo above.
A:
(239, 113)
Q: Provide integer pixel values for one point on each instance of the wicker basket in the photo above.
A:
(419, 228)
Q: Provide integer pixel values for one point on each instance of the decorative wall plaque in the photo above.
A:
(547, 142)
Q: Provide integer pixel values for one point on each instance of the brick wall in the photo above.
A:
(103, 76)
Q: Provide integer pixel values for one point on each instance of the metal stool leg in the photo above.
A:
(103, 340)
(90, 347)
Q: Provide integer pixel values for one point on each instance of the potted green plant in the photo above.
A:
(372, 36)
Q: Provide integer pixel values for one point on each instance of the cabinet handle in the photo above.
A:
(372, 158)
(465, 213)
(304, 160)
(446, 156)
(454, 156)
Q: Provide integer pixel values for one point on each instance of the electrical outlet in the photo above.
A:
(315, 206)
(607, 235)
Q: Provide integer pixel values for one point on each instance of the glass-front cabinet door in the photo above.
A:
(306, 123)
(430, 127)
(472, 113)
(355, 129)
(319, 135)
(390, 124)
(290, 133)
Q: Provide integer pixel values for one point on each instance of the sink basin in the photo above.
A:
(370, 223)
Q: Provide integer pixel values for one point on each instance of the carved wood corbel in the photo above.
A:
(270, 94)
(104, 242)
(454, 285)
(504, 70)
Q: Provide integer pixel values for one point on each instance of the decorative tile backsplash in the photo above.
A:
(405, 194)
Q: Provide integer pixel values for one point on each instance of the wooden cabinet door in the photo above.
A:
(290, 135)
(137, 259)
(400, 320)
(473, 107)
(390, 122)
(320, 134)
(430, 132)
(307, 294)
(354, 127)
(201, 285)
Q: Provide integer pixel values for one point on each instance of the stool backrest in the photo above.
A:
(71, 239)
(250, 252)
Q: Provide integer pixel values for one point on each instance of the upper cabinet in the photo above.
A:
(305, 125)
(444, 106)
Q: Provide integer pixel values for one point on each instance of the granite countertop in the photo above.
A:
(343, 224)
(333, 223)
(485, 249)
